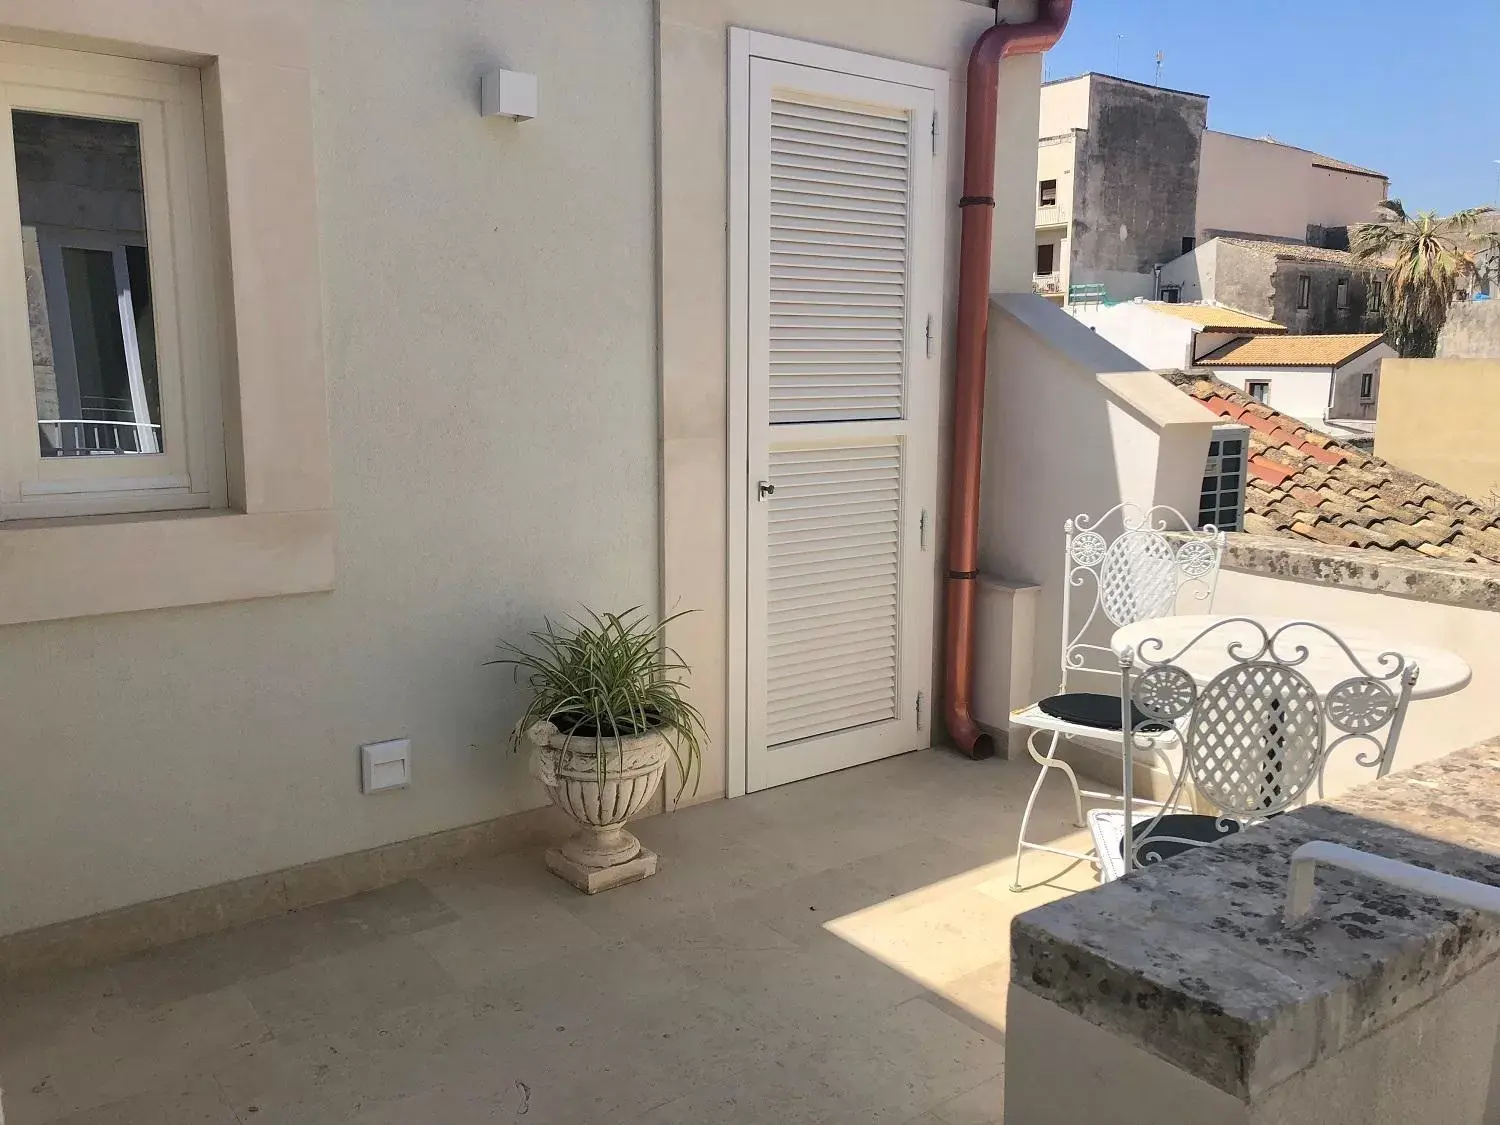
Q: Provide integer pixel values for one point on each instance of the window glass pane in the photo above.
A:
(88, 285)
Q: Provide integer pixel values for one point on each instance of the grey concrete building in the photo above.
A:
(1309, 289)
(1117, 189)
(1472, 331)
(1129, 177)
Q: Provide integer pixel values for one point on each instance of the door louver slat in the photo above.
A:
(832, 594)
(840, 181)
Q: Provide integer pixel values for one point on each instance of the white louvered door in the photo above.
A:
(843, 260)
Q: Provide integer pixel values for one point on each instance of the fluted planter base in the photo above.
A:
(602, 854)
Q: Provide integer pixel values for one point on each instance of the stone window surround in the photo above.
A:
(277, 536)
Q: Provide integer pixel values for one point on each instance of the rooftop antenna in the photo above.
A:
(1160, 56)
(1120, 38)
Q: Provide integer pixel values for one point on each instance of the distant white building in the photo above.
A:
(1160, 335)
(1329, 383)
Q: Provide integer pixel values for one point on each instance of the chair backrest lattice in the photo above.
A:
(1257, 737)
(1130, 564)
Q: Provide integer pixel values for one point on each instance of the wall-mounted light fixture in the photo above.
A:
(507, 93)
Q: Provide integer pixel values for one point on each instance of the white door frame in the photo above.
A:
(745, 45)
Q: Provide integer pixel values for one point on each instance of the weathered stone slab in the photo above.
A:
(1190, 960)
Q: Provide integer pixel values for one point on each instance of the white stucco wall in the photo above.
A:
(1301, 392)
(1065, 106)
(1255, 187)
(490, 309)
(1072, 425)
(511, 437)
(1151, 339)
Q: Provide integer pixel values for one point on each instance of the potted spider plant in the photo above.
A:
(606, 712)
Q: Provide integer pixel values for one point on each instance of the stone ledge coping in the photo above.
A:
(1189, 959)
(1467, 585)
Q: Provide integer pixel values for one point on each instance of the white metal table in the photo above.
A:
(1440, 672)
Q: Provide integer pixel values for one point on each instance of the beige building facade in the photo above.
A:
(1437, 419)
(1260, 187)
(490, 356)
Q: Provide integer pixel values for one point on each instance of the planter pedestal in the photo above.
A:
(592, 880)
(602, 854)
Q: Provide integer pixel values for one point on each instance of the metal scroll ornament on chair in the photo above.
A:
(1130, 564)
(1256, 739)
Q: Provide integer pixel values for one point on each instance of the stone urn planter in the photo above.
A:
(608, 707)
(602, 853)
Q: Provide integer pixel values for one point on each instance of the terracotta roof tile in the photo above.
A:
(1329, 350)
(1295, 251)
(1216, 317)
(1306, 485)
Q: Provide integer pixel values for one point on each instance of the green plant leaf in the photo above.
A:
(605, 676)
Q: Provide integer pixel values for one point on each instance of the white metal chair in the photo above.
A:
(1130, 564)
(1255, 740)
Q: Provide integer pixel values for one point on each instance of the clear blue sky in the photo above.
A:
(1367, 81)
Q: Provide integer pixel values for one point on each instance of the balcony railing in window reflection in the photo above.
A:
(95, 437)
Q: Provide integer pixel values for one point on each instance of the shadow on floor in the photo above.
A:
(831, 951)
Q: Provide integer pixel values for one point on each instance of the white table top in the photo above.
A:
(1441, 672)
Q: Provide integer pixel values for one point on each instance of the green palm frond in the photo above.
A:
(1429, 262)
(605, 676)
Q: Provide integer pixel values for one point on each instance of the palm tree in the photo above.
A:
(1429, 261)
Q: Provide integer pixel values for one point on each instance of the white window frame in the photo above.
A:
(1250, 384)
(165, 102)
(51, 242)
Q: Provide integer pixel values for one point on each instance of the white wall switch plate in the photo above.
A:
(507, 93)
(385, 765)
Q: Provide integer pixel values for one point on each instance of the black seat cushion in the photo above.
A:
(1161, 839)
(1091, 709)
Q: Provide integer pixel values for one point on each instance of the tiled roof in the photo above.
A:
(1216, 318)
(1305, 485)
(1296, 251)
(1345, 166)
(1291, 351)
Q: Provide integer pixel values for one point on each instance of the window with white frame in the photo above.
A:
(1259, 390)
(109, 375)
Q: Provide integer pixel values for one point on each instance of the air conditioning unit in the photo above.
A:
(1221, 502)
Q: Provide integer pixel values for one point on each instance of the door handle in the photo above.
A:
(766, 489)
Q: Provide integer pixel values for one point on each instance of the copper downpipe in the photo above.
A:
(978, 207)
